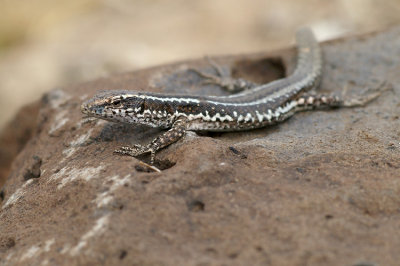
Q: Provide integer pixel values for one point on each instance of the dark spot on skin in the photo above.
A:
(2, 194)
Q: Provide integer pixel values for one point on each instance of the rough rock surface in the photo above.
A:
(320, 189)
(14, 137)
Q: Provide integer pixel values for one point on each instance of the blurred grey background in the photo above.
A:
(46, 44)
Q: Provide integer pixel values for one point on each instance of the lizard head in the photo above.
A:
(116, 106)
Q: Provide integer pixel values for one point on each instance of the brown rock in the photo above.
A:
(15, 135)
(320, 189)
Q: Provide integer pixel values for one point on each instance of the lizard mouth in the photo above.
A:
(89, 110)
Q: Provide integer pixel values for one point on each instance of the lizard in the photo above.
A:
(252, 106)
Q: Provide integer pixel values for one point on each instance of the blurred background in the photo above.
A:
(45, 44)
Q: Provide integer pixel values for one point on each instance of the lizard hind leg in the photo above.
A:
(222, 79)
(309, 101)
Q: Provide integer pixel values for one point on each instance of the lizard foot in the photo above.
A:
(369, 96)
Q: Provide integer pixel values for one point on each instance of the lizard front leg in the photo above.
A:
(174, 134)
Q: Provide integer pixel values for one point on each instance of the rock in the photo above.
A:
(319, 189)
(15, 135)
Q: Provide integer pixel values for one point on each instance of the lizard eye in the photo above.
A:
(116, 102)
